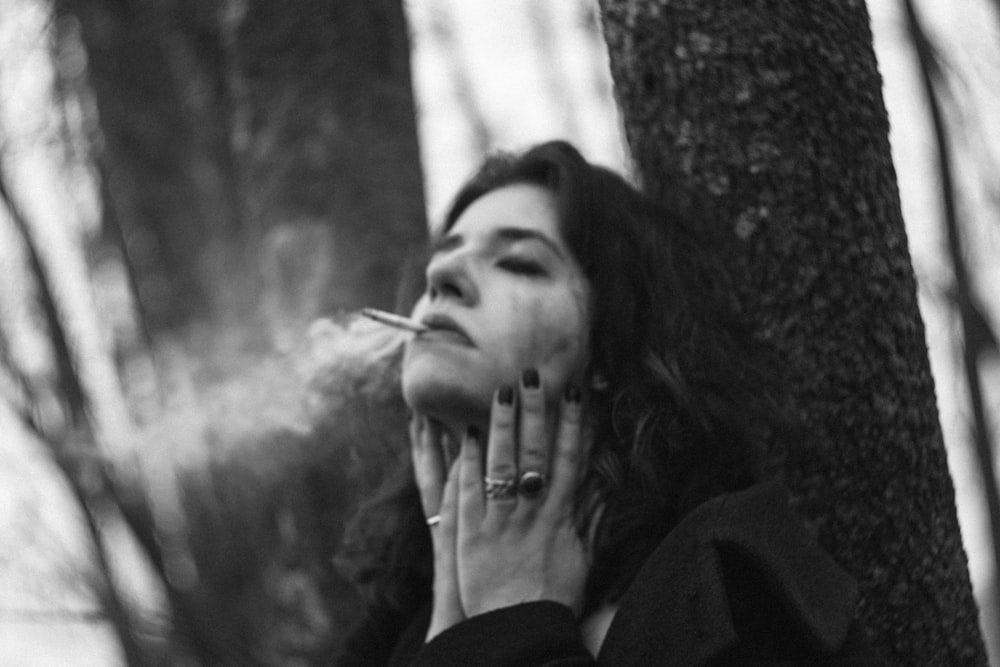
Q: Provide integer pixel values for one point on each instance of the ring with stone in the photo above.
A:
(499, 489)
(531, 484)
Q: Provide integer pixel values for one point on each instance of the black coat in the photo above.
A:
(740, 581)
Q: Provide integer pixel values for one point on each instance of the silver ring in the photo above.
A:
(433, 520)
(531, 484)
(500, 489)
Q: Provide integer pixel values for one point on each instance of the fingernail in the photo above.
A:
(505, 395)
(472, 433)
(530, 378)
(573, 394)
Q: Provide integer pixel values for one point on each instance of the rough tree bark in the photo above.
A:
(262, 156)
(772, 112)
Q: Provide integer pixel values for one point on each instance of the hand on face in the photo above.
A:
(496, 544)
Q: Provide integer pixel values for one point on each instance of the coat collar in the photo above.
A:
(683, 584)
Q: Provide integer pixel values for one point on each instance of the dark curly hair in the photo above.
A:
(687, 399)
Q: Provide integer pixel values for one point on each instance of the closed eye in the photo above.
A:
(526, 267)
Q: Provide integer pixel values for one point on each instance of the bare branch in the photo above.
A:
(87, 496)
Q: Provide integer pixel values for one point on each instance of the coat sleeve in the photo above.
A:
(371, 642)
(542, 634)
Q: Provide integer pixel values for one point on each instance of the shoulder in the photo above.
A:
(741, 573)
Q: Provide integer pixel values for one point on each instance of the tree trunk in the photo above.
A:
(158, 176)
(772, 113)
(262, 156)
(331, 139)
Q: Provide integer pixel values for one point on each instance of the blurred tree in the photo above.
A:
(261, 167)
(262, 157)
(772, 114)
(66, 431)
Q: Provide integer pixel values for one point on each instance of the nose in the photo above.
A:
(449, 276)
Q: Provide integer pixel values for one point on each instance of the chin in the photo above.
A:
(442, 393)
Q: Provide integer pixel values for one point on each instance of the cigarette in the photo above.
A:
(393, 320)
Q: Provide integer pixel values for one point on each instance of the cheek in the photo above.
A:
(558, 333)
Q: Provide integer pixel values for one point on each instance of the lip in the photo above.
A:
(438, 323)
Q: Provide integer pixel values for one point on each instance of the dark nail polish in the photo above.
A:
(530, 378)
(473, 433)
(505, 396)
(573, 394)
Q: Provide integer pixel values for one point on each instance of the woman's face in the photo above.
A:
(504, 294)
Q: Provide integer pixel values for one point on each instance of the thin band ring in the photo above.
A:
(500, 489)
(433, 520)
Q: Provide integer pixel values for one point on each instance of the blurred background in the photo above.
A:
(183, 241)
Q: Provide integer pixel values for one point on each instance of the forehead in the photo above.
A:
(523, 205)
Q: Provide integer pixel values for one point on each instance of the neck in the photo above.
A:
(454, 422)
(453, 428)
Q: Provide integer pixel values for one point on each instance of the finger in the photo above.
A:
(443, 535)
(415, 426)
(447, 604)
(569, 449)
(501, 454)
(444, 532)
(592, 527)
(471, 503)
(533, 441)
(449, 449)
(428, 464)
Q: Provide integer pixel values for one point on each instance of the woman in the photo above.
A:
(587, 430)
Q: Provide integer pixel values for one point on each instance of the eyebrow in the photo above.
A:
(502, 234)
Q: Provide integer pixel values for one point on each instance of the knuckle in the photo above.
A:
(533, 405)
(502, 470)
(426, 482)
(502, 425)
(568, 455)
(533, 455)
(571, 416)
